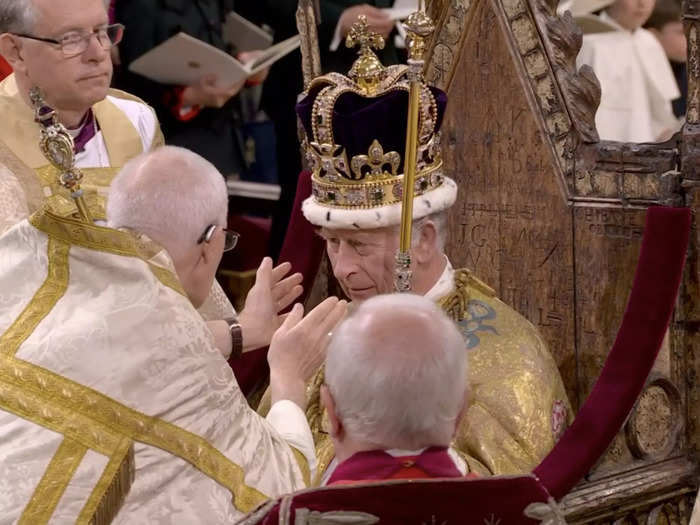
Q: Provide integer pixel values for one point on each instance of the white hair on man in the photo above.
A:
(18, 16)
(396, 369)
(171, 195)
(439, 219)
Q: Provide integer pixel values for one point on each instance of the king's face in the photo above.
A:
(362, 261)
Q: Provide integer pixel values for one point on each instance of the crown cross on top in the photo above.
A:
(361, 35)
(367, 71)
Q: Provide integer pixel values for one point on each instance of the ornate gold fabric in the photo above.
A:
(80, 434)
(20, 137)
(517, 396)
(45, 298)
(110, 491)
(46, 387)
(137, 426)
(72, 231)
(57, 476)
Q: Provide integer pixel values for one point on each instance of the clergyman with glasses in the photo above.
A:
(62, 47)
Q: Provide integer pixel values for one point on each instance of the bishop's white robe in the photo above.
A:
(107, 374)
(636, 81)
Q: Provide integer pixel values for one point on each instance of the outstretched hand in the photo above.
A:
(272, 292)
(298, 348)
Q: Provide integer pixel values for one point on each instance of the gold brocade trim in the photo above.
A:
(102, 239)
(95, 184)
(314, 410)
(81, 400)
(48, 294)
(138, 426)
(454, 304)
(108, 495)
(303, 466)
(38, 407)
(53, 483)
(33, 404)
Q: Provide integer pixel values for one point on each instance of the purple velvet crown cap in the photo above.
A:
(358, 120)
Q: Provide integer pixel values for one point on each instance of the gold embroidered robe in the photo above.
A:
(518, 406)
(112, 394)
(126, 124)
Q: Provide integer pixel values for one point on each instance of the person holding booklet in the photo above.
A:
(201, 116)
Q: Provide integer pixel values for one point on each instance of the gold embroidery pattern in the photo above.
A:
(95, 183)
(101, 239)
(36, 406)
(140, 427)
(303, 466)
(79, 400)
(53, 483)
(43, 301)
(31, 403)
(111, 489)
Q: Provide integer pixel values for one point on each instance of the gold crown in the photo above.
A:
(369, 179)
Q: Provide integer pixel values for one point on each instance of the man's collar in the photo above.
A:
(444, 285)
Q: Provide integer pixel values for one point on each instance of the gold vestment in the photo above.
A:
(517, 403)
(21, 156)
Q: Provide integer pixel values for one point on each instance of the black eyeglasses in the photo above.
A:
(231, 237)
(76, 43)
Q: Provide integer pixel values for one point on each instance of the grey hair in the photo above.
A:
(16, 16)
(171, 195)
(439, 219)
(397, 371)
(19, 16)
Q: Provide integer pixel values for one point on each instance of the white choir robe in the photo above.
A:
(637, 84)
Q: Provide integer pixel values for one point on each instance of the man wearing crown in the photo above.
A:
(355, 143)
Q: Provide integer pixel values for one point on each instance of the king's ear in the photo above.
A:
(11, 50)
(425, 246)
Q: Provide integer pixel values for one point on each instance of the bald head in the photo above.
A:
(396, 369)
(171, 195)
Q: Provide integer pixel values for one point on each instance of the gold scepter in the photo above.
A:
(57, 146)
(418, 27)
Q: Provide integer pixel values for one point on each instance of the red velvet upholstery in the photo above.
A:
(5, 68)
(490, 501)
(302, 247)
(639, 338)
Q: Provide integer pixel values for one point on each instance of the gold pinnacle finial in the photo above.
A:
(367, 70)
(419, 26)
